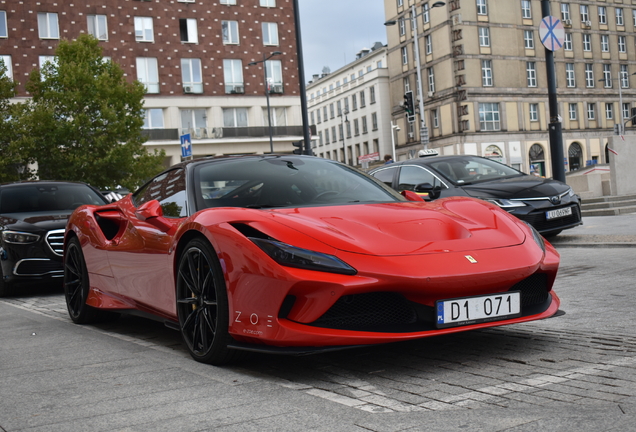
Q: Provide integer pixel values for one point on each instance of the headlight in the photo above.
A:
(538, 238)
(19, 237)
(505, 203)
(570, 192)
(290, 256)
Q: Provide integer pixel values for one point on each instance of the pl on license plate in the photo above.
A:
(472, 310)
(559, 213)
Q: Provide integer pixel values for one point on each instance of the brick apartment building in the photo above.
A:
(192, 55)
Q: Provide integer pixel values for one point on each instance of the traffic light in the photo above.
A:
(299, 147)
(408, 106)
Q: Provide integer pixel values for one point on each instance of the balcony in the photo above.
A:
(225, 132)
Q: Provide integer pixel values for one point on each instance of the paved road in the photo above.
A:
(574, 372)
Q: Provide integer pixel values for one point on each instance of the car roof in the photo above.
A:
(25, 183)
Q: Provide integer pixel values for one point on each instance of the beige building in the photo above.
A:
(485, 83)
(351, 109)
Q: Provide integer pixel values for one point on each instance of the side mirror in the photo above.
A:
(432, 191)
(152, 213)
(411, 196)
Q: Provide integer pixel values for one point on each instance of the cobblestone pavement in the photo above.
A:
(573, 372)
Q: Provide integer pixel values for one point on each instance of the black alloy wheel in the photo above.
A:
(76, 284)
(202, 305)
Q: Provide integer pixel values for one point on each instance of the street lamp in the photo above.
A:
(418, 67)
(343, 120)
(621, 127)
(269, 115)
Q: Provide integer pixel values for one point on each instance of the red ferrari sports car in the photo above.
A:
(296, 254)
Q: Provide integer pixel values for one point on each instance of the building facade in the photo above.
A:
(193, 57)
(351, 109)
(484, 76)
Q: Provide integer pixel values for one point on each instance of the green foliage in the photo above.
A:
(84, 120)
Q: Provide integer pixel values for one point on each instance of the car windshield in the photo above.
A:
(282, 181)
(467, 170)
(38, 198)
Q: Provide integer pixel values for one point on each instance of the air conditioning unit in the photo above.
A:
(276, 89)
(587, 23)
(188, 89)
(567, 23)
(430, 94)
(238, 89)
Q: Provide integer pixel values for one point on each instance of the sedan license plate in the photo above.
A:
(473, 310)
(559, 213)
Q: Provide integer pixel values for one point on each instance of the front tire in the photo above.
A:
(76, 284)
(202, 305)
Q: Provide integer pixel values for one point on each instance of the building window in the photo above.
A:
(624, 77)
(607, 75)
(43, 60)
(270, 34)
(531, 73)
(3, 25)
(604, 43)
(143, 29)
(482, 8)
(486, 73)
(153, 118)
(354, 102)
(318, 115)
(148, 73)
(229, 29)
(591, 111)
(569, 75)
(620, 20)
(191, 76)
(626, 108)
(402, 26)
(274, 74)
(572, 109)
(567, 42)
(528, 39)
(587, 42)
(526, 12)
(348, 126)
(346, 104)
(585, 13)
(589, 75)
(324, 113)
(334, 138)
(6, 59)
(233, 76)
(332, 111)
(312, 116)
(426, 16)
(372, 94)
(565, 11)
(356, 127)
(602, 15)
(407, 85)
(534, 112)
(268, 3)
(400, 3)
(339, 108)
(622, 44)
(47, 26)
(228, 2)
(431, 80)
(428, 40)
(97, 26)
(489, 116)
(365, 129)
(435, 118)
(484, 36)
(363, 101)
(609, 111)
(194, 121)
(374, 121)
(188, 29)
(234, 117)
(634, 16)
(405, 55)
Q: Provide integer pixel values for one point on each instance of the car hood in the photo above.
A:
(406, 228)
(34, 221)
(517, 187)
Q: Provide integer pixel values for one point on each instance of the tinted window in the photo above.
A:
(411, 176)
(169, 189)
(280, 181)
(385, 175)
(47, 198)
(469, 170)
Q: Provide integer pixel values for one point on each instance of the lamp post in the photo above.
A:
(394, 128)
(269, 115)
(343, 120)
(418, 66)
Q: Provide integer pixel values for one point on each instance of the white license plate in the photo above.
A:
(559, 213)
(472, 310)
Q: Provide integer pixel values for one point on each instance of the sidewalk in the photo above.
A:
(600, 231)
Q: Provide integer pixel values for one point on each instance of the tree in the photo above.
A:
(84, 120)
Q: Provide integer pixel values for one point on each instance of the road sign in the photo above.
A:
(552, 33)
(186, 146)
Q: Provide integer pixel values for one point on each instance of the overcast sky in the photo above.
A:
(333, 31)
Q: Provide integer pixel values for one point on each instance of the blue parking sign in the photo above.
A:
(186, 146)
